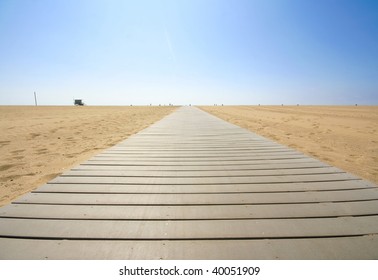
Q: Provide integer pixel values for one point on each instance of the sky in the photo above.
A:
(239, 52)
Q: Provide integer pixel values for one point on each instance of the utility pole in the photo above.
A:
(35, 99)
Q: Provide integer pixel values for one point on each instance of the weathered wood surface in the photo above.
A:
(192, 186)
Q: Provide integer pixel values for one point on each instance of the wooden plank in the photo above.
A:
(208, 163)
(200, 173)
(264, 163)
(147, 168)
(205, 180)
(133, 149)
(188, 145)
(196, 159)
(182, 230)
(204, 212)
(199, 199)
(225, 188)
(190, 138)
(212, 153)
(192, 147)
(216, 154)
(187, 139)
(221, 156)
(348, 248)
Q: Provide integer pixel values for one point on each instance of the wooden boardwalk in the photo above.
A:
(192, 186)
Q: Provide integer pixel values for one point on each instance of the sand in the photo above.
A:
(345, 137)
(39, 143)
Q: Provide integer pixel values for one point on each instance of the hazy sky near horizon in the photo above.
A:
(189, 51)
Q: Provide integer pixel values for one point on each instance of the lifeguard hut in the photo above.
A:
(78, 102)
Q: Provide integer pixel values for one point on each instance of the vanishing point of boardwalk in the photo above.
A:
(192, 186)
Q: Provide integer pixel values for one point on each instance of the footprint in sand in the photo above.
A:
(355, 156)
(6, 166)
(326, 148)
(34, 135)
(18, 157)
(42, 151)
(17, 151)
(10, 178)
(4, 143)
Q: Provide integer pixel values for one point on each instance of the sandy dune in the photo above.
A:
(38, 143)
(346, 137)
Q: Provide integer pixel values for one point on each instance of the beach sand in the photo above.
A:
(342, 136)
(39, 143)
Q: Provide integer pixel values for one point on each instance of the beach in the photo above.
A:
(343, 136)
(39, 143)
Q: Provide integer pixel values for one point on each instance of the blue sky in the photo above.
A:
(181, 52)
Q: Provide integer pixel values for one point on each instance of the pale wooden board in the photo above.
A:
(199, 158)
(148, 155)
(199, 199)
(187, 145)
(197, 229)
(272, 166)
(206, 180)
(348, 248)
(225, 188)
(191, 137)
(200, 173)
(211, 212)
(168, 141)
(194, 153)
(190, 147)
(153, 150)
(262, 163)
